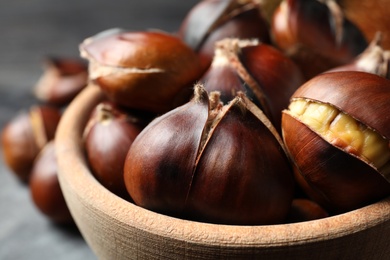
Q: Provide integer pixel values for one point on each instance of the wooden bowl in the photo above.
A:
(117, 229)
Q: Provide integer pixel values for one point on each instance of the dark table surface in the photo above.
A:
(30, 30)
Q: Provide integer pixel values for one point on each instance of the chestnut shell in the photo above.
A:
(145, 70)
(25, 135)
(62, 80)
(45, 189)
(212, 20)
(109, 133)
(337, 180)
(362, 95)
(233, 171)
(315, 35)
(263, 73)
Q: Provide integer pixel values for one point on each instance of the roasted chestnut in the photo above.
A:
(25, 135)
(337, 132)
(263, 73)
(150, 70)
(108, 136)
(212, 20)
(45, 189)
(374, 60)
(211, 162)
(62, 80)
(316, 35)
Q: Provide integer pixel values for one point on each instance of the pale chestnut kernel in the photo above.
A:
(343, 131)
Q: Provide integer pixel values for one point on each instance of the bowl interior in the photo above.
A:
(117, 229)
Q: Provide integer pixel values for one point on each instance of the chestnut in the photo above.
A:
(263, 73)
(337, 132)
(303, 209)
(45, 189)
(374, 60)
(108, 136)
(210, 162)
(316, 35)
(144, 70)
(212, 20)
(25, 135)
(62, 80)
(370, 17)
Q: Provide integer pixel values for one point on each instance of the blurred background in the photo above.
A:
(29, 31)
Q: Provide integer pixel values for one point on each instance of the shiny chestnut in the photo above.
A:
(316, 34)
(108, 136)
(303, 209)
(375, 59)
(62, 80)
(370, 16)
(145, 70)
(45, 189)
(211, 162)
(262, 72)
(337, 132)
(210, 21)
(25, 135)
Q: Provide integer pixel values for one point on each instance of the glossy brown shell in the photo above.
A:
(147, 70)
(340, 181)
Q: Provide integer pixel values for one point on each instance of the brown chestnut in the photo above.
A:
(370, 16)
(45, 189)
(303, 209)
(263, 73)
(150, 70)
(25, 135)
(212, 20)
(108, 136)
(62, 80)
(213, 163)
(337, 133)
(316, 34)
(374, 60)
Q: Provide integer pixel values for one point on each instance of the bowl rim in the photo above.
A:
(75, 175)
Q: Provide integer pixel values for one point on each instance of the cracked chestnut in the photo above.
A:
(337, 133)
(211, 162)
(145, 70)
(263, 73)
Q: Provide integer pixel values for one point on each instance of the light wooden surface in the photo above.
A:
(29, 30)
